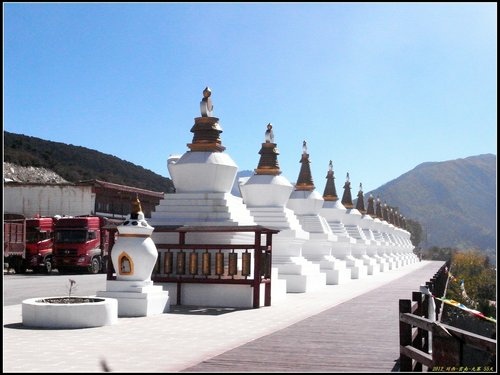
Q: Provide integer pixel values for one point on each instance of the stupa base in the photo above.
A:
(303, 283)
(335, 270)
(140, 300)
(337, 276)
(358, 269)
(225, 295)
(371, 263)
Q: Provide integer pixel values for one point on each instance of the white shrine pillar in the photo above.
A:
(203, 178)
(265, 193)
(134, 255)
(334, 212)
(306, 203)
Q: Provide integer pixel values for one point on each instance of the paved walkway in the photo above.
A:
(192, 339)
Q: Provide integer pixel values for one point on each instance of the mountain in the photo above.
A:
(454, 201)
(75, 163)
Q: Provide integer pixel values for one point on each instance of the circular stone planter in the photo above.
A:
(69, 312)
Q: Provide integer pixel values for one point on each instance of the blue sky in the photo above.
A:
(377, 88)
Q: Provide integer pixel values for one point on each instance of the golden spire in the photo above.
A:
(346, 197)
(304, 181)
(206, 128)
(360, 203)
(330, 193)
(136, 205)
(268, 162)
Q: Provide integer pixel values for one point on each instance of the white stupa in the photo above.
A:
(385, 250)
(383, 228)
(334, 212)
(354, 223)
(400, 237)
(306, 203)
(266, 193)
(405, 236)
(368, 225)
(134, 255)
(203, 177)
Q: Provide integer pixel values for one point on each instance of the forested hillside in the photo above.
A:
(454, 201)
(75, 163)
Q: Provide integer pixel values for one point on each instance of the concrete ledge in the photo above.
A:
(69, 315)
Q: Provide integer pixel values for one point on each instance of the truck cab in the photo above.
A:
(81, 243)
(39, 243)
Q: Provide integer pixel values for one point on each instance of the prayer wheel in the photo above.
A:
(193, 263)
(181, 263)
(233, 262)
(206, 263)
(168, 258)
(219, 264)
(245, 263)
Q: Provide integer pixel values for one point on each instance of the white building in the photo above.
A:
(92, 197)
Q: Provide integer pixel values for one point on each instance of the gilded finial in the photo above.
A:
(136, 206)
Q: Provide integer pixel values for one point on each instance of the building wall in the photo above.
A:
(118, 203)
(48, 200)
(30, 199)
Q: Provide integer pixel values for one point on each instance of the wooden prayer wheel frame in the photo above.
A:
(245, 264)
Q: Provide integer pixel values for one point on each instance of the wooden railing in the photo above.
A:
(419, 332)
(242, 264)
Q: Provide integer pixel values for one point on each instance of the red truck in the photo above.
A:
(28, 244)
(83, 243)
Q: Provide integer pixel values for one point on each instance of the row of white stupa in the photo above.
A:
(321, 241)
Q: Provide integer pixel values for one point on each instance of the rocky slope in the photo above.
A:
(13, 172)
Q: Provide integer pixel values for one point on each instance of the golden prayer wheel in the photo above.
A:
(168, 261)
(181, 263)
(233, 262)
(245, 263)
(206, 263)
(219, 264)
(193, 263)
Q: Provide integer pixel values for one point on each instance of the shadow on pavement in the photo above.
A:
(202, 310)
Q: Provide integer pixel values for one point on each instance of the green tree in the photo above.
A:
(415, 230)
(439, 253)
(479, 281)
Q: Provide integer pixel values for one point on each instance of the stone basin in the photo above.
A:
(77, 312)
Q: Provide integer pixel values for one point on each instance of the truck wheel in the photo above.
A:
(94, 266)
(47, 266)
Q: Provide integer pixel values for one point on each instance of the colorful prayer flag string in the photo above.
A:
(465, 308)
